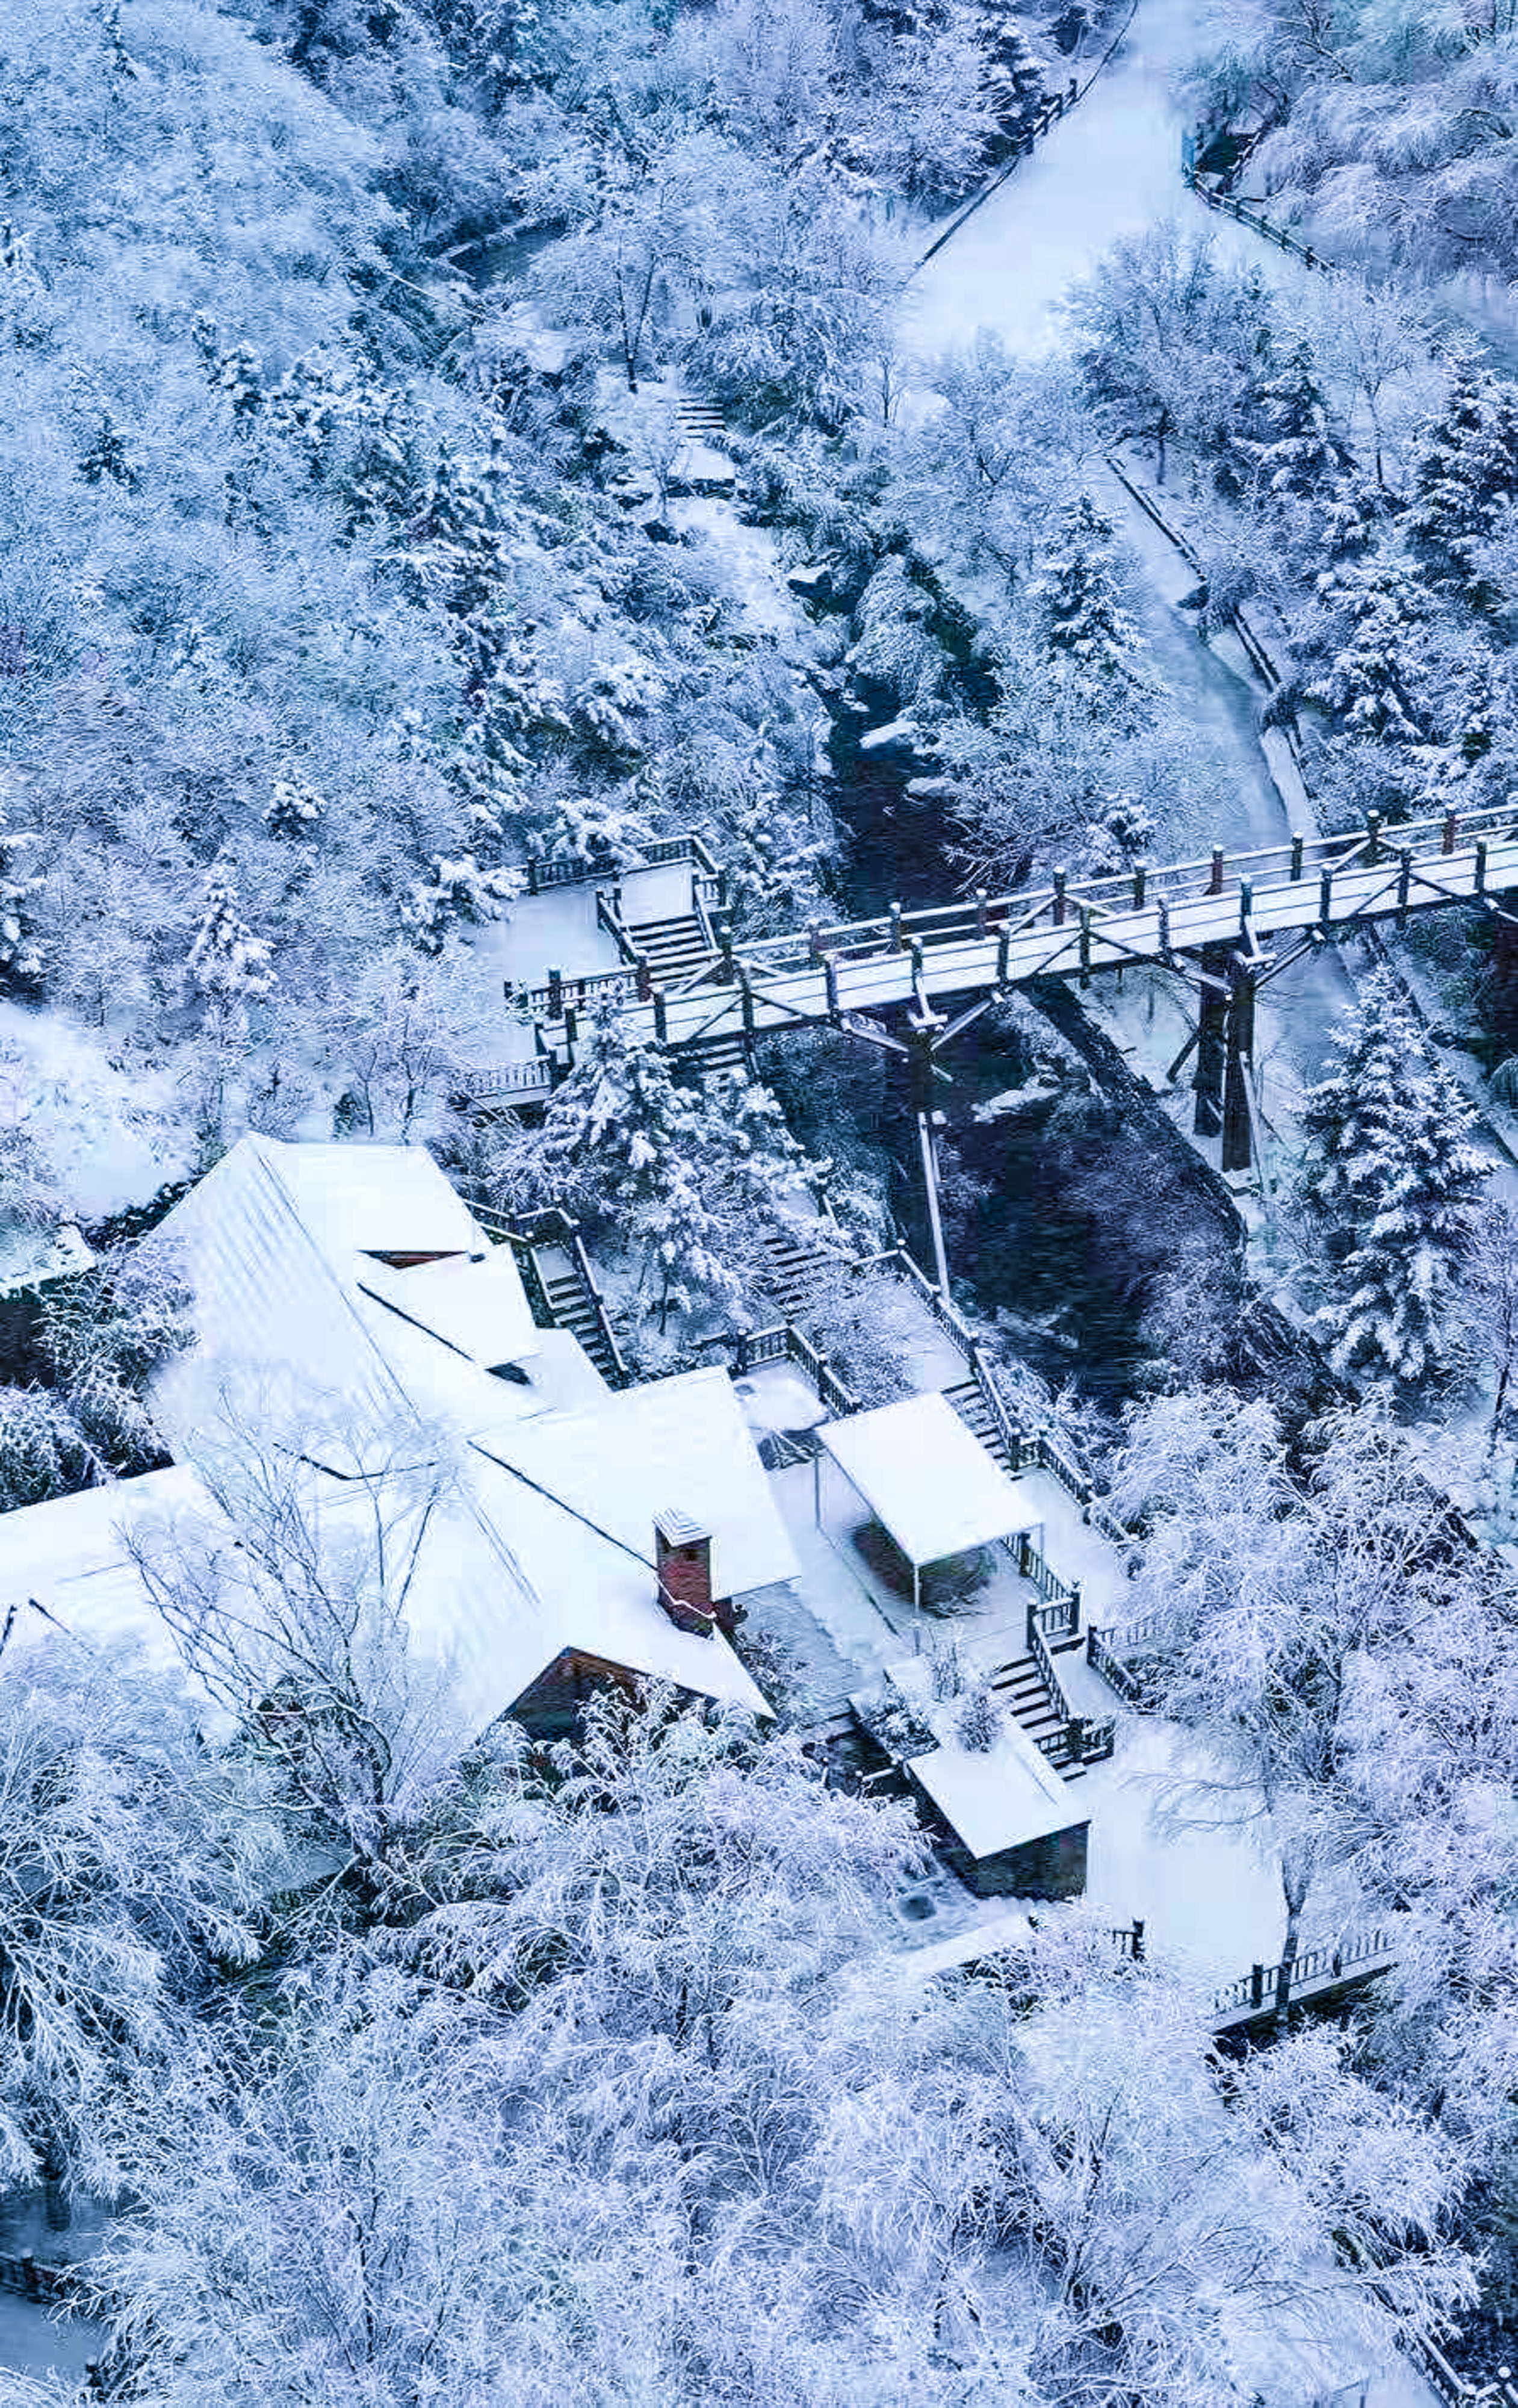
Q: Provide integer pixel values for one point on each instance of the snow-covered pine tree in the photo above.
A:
(1373, 609)
(1014, 83)
(1466, 473)
(1285, 444)
(627, 1147)
(458, 892)
(1394, 1183)
(1088, 632)
(20, 961)
(226, 964)
(680, 1178)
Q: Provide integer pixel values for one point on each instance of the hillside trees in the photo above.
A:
(733, 2148)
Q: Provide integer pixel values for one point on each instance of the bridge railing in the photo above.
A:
(1267, 1989)
(1085, 902)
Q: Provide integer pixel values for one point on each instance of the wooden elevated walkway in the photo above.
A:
(1308, 889)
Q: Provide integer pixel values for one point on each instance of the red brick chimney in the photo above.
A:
(682, 1554)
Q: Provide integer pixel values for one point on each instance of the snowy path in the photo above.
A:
(1112, 167)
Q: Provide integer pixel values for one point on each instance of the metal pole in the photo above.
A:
(930, 1181)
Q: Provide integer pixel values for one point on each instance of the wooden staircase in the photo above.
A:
(795, 1268)
(976, 1415)
(673, 949)
(572, 1307)
(1020, 1685)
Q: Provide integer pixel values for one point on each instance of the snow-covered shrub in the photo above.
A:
(458, 894)
(43, 1448)
(945, 1669)
(294, 808)
(866, 1323)
(978, 1722)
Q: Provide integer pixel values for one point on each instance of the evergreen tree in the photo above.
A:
(1085, 626)
(680, 1178)
(1286, 444)
(294, 810)
(1466, 474)
(20, 961)
(227, 964)
(1375, 609)
(1394, 1183)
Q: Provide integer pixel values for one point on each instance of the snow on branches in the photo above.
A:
(1394, 1183)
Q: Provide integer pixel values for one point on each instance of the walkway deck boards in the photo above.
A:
(1029, 937)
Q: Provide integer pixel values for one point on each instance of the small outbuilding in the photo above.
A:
(1006, 1823)
(926, 1478)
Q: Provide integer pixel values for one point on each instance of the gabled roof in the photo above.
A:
(680, 1442)
(66, 1568)
(280, 1243)
(551, 1545)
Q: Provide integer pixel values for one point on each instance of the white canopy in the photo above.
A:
(926, 1477)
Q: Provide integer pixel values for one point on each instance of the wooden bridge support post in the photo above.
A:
(1236, 1146)
(1212, 1014)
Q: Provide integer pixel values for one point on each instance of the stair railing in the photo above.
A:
(622, 1377)
(553, 1226)
(991, 1398)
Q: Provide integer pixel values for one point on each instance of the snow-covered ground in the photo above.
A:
(1112, 167)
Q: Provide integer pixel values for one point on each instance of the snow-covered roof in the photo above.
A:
(994, 1798)
(551, 1545)
(680, 1442)
(30, 1256)
(65, 1565)
(926, 1477)
(385, 1199)
(279, 1244)
(478, 1309)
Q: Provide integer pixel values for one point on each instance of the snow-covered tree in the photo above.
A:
(1373, 612)
(1466, 474)
(680, 1179)
(1167, 341)
(1274, 1597)
(1492, 1276)
(402, 1033)
(20, 958)
(371, 2123)
(300, 1632)
(458, 892)
(978, 1722)
(133, 1864)
(1394, 1182)
(1081, 615)
(226, 963)
(1285, 444)
(103, 1337)
(294, 809)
